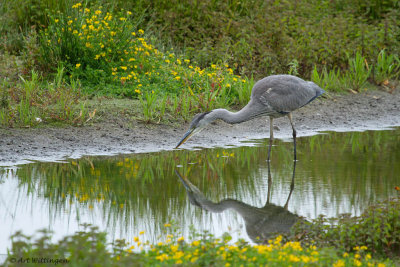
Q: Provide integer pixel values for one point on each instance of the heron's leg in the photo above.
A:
(269, 182)
(271, 136)
(291, 185)
(294, 135)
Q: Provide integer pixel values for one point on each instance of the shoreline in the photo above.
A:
(370, 110)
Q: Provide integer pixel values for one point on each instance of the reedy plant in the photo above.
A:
(357, 74)
(387, 67)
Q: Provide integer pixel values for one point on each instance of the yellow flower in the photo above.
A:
(78, 65)
(129, 13)
(357, 262)
(123, 67)
(136, 239)
(140, 31)
(56, 20)
(77, 5)
(180, 239)
(69, 22)
(167, 225)
(162, 257)
(339, 263)
(141, 232)
(195, 243)
(187, 60)
(177, 78)
(122, 19)
(133, 33)
(98, 12)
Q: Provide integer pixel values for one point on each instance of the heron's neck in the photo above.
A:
(242, 115)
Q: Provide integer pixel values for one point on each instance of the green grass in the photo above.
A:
(96, 49)
(90, 248)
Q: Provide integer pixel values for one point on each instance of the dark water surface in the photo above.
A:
(123, 195)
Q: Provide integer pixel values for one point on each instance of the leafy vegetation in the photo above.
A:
(377, 228)
(188, 59)
(87, 248)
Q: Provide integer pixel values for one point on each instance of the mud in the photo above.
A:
(350, 112)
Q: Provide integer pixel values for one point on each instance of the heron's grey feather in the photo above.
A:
(284, 93)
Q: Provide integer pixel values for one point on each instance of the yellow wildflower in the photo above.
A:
(136, 239)
(339, 263)
(97, 12)
(140, 31)
(195, 243)
(141, 232)
(78, 65)
(162, 257)
(56, 20)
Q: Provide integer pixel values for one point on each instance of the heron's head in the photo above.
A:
(198, 123)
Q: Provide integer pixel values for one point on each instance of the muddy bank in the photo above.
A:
(368, 110)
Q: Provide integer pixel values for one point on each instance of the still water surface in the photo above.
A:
(123, 195)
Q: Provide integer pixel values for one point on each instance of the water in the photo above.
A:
(123, 195)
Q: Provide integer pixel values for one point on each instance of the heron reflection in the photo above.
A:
(261, 223)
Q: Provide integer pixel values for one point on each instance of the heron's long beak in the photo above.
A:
(187, 135)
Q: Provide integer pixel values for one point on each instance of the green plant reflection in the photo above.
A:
(336, 171)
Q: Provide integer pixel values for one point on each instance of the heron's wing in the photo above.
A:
(284, 96)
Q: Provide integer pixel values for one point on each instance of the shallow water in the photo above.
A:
(123, 195)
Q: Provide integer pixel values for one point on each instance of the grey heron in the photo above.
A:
(274, 96)
(261, 223)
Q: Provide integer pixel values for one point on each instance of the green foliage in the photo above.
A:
(89, 248)
(256, 37)
(377, 229)
(357, 74)
(32, 101)
(356, 77)
(329, 80)
(387, 67)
